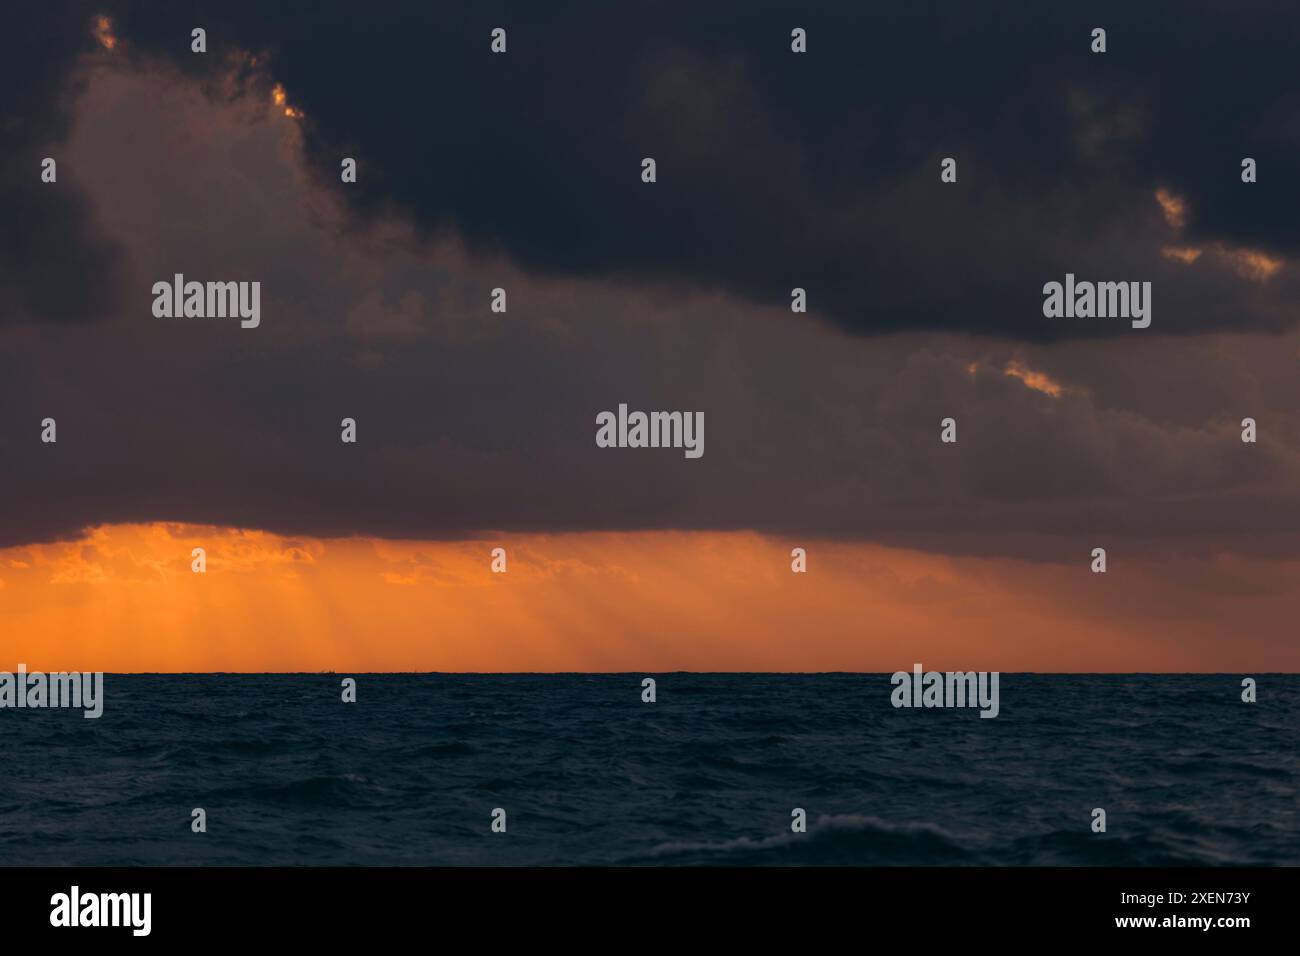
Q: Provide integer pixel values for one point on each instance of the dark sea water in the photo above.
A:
(588, 774)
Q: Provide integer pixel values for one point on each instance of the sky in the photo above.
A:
(476, 429)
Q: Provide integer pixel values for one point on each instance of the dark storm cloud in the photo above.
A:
(471, 421)
(819, 171)
(54, 263)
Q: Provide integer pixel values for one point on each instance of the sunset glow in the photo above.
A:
(124, 598)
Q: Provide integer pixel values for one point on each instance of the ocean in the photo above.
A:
(709, 774)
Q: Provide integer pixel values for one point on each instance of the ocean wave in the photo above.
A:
(837, 839)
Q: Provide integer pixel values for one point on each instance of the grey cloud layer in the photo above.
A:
(471, 421)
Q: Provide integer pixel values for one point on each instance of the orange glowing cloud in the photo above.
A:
(1173, 207)
(102, 27)
(1038, 381)
(1249, 264)
(1186, 255)
(280, 98)
(1253, 265)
